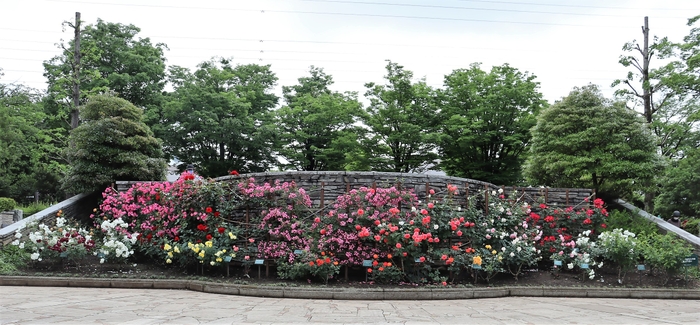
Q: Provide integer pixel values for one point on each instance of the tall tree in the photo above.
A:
(220, 117)
(112, 144)
(28, 157)
(680, 187)
(584, 140)
(402, 117)
(113, 59)
(318, 126)
(487, 119)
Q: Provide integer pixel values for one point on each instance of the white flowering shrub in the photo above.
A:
(620, 248)
(117, 242)
(63, 240)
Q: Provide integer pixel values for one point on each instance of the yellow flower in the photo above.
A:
(176, 249)
(170, 254)
(209, 243)
(233, 254)
(168, 261)
(167, 247)
(218, 253)
(500, 258)
(494, 252)
(219, 259)
(488, 246)
(201, 254)
(476, 260)
(189, 245)
(195, 249)
(231, 235)
(212, 263)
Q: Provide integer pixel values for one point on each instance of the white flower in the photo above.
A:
(212, 262)
(503, 249)
(459, 208)
(401, 223)
(34, 256)
(570, 265)
(493, 193)
(518, 249)
(413, 209)
(60, 222)
(600, 264)
(15, 242)
(21, 245)
(512, 254)
(500, 190)
(18, 235)
(436, 227)
(102, 260)
(503, 219)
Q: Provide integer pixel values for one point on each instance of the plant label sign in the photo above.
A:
(259, 262)
(641, 267)
(227, 259)
(584, 266)
(557, 263)
(476, 266)
(367, 263)
(297, 252)
(691, 260)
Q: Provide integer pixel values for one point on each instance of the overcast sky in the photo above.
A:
(565, 43)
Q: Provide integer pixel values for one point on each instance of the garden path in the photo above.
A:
(47, 305)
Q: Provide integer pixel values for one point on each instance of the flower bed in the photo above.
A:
(387, 233)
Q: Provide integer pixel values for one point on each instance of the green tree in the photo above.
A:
(317, 125)
(680, 188)
(487, 120)
(28, 156)
(112, 144)
(402, 117)
(220, 117)
(584, 140)
(113, 59)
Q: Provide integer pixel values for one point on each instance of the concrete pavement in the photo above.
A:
(67, 305)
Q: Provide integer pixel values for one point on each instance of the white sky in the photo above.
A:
(565, 43)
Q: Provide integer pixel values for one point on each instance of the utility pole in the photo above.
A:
(74, 113)
(646, 86)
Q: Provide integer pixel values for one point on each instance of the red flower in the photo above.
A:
(233, 172)
(216, 214)
(398, 245)
(459, 233)
(358, 227)
(431, 205)
(311, 263)
(394, 211)
(360, 212)
(327, 260)
(598, 203)
(377, 222)
(443, 257)
(323, 231)
(549, 219)
(543, 206)
(317, 220)
(377, 237)
(587, 221)
(422, 259)
(202, 227)
(604, 226)
(375, 263)
(209, 237)
(176, 238)
(369, 270)
(221, 230)
(208, 209)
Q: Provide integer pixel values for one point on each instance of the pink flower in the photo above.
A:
(431, 205)
(398, 245)
(360, 212)
(246, 257)
(251, 240)
(432, 192)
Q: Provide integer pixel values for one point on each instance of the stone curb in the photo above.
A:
(354, 293)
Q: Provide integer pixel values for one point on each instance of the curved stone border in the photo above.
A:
(355, 293)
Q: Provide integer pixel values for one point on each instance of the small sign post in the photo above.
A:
(259, 262)
(366, 263)
(689, 261)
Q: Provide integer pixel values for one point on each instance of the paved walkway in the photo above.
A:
(53, 305)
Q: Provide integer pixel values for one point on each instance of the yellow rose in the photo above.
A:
(212, 263)
(176, 249)
(488, 246)
(167, 247)
(494, 252)
(170, 254)
(201, 254)
(230, 235)
(219, 259)
(209, 243)
(168, 261)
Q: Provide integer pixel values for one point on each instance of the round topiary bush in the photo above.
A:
(7, 204)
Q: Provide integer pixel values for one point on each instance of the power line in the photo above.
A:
(472, 8)
(571, 6)
(347, 14)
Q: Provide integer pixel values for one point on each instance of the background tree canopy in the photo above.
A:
(584, 140)
(112, 144)
(219, 118)
(486, 121)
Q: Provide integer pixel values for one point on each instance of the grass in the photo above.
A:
(33, 208)
(12, 258)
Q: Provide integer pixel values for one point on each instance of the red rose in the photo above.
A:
(221, 230)
(216, 214)
(233, 172)
(208, 209)
(209, 237)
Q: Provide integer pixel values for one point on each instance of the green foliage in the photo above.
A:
(664, 252)
(7, 204)
(34, 207)
(402, 121)
(114, 59)
(487, 119)
(29, 153)
(317, 125)
(681, 187)
(12, 258)
(112, 144)
(586, 141)
(692, 226)
(629, 221)
(620, 248)
(219, 118)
